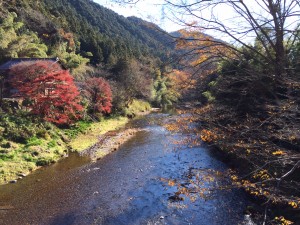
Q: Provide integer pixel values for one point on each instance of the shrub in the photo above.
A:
(34, 141)
(208, 95)
(135, 107)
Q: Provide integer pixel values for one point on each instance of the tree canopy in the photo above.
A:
(48, 91)
(99, 95)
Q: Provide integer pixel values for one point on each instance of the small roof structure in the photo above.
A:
(14, 61)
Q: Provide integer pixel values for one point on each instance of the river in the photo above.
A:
(129, 186)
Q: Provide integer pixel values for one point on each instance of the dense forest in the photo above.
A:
(93, 28)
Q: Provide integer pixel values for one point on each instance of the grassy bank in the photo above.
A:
(19, 154)
(27, 143)
(90, 136)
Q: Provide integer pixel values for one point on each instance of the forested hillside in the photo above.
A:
(95, 29)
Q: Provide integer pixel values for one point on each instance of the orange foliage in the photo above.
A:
(202, 50)
(208, 136)
(68, 37)
(181, 80)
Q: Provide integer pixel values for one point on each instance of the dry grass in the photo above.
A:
(91, 136)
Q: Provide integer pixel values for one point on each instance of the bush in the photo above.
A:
(7, 156)
(42, 133)
(208, 95)
(244, 89)
(29, 158)
(34, 141)
(44, 162)
(52, 144)
(18, 127)
(135, 107)
(79, 127)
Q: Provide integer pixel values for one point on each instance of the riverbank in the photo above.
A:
(267, 170)
(26, 145)
(91, 135)
(51, 144)
(108, 142)
(264, 151)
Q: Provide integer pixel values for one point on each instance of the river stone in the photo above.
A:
(22, 175)
(6, 207)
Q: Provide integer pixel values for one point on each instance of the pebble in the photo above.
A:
(22, 175)
(161, 217)
(13, 181)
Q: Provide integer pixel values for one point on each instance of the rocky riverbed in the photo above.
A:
(109, 142)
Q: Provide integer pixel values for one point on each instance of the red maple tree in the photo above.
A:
(98, 92)
(49, 89)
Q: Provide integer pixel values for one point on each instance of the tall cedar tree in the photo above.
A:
(49, 89)
(99, 94)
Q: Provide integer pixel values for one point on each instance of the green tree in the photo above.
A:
(163, 94)
(14, 43)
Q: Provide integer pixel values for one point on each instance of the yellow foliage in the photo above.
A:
(207, 136)
(181, 80)
(234, 178)
(262, 174)
(279, 152)
(283, 221)
(293, 204)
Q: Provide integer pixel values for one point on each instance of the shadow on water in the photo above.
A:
(67, 219)
(48, 176)
(125, 187)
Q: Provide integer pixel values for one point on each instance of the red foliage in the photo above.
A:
(50, 89)
(98, 91)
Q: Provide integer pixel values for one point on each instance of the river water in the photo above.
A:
(129, 186)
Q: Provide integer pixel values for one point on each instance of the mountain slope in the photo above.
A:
(96, 29)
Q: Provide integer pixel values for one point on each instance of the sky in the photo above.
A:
(154, 11)
(150, 10)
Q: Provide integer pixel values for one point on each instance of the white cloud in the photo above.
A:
(150, 10)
